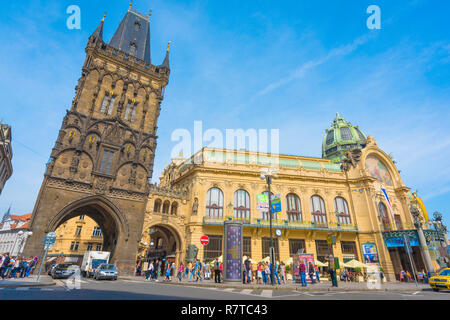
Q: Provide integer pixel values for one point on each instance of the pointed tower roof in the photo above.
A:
(6, 215)
(98, 33)
(133, 35)
(166, 63)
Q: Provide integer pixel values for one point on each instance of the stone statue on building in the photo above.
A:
(195, 207)
(352, 159)
(191, 253)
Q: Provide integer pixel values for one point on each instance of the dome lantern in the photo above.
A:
(340, 138)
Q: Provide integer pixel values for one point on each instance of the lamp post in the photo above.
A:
(267, 175)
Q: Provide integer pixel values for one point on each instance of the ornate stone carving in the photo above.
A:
(352, 159)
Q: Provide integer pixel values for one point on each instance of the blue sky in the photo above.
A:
(247, 64)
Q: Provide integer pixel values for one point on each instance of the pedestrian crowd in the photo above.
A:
(16, 267)
(421, 276)
(163, 270)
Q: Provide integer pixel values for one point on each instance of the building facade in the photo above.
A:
(319, 198)
(6, 154)
(103, 157)
(14, 232)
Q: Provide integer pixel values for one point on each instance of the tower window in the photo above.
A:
(130, 112)
(97, 232)
(106, 163)
(346, 133)
(360, 134)
(330, 137)
(108, 104)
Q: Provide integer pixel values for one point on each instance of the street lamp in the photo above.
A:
(267, 174)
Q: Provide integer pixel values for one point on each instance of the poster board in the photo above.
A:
(297, 259)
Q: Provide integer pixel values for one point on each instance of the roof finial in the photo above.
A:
(131, 4)
(104, 16)
(150, 14)
(168, 46)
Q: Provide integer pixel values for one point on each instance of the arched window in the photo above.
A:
(166, 207)
(318, 211)
(214, 203)
(242, 205)
(342, 212)
(265, 215)
(294, 209)
(174, 209)
(157, 206)
(382, 210)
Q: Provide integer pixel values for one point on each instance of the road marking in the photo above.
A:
(246, 291)
(228, 289)
(47, 289)
(23, 289)
(267, 293)
(416, 292)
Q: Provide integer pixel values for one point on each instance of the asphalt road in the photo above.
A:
(141, 290)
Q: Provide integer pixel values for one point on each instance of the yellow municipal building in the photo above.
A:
(340, 194)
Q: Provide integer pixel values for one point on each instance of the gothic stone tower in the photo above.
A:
(103, 157)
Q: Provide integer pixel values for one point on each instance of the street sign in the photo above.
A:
(50, 238)
(204, 240)
(276, 203)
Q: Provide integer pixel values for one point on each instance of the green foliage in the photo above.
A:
(288, 268)
(357, 270)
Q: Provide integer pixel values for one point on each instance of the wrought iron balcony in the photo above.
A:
(283, 224)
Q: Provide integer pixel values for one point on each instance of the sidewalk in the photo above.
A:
(44, 281)
(320, 287)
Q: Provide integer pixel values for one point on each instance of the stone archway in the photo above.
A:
(167, 243)
(105, 213)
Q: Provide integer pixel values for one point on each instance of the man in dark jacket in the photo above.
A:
(216, 271)
(5, 264)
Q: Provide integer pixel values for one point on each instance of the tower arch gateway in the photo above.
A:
(101, 162)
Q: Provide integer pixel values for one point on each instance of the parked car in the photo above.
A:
(106, 271)
(64, 271)
(51, 269)
(441, 280)
(91, 261)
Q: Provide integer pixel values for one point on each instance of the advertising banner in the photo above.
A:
(395, 242)
(370, 253)
(262, 202)
(276, 203)
(233, 251)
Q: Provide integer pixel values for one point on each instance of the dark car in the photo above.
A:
(106, 271)
(64, 271)
(51, 269)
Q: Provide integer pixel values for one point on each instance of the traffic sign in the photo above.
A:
(50, 238)
(204, 240)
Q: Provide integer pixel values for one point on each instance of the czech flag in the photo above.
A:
(388, 201)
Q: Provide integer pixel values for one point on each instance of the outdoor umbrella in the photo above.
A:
(289, 261)
(355, 264)
(320, 264)
(266, 259)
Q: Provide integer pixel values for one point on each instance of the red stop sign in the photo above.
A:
(204, 240)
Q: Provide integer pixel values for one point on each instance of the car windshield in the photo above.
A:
(108, 267)
(445, 272)
(64, 266)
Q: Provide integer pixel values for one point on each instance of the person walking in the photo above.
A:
(5, 264)
(149, 272)
(258, 274)
(283, 272)
(198, 267)
(246, 270)
(275, 273)
(267, 272)
(180, 272)
(317, 273)
(303, 274)
(311, 272)
(216, 271)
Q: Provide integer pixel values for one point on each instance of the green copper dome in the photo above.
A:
(340, 138)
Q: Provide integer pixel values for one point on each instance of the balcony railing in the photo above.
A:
(283, 224)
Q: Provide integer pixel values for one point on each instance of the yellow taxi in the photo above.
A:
(441, 280)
